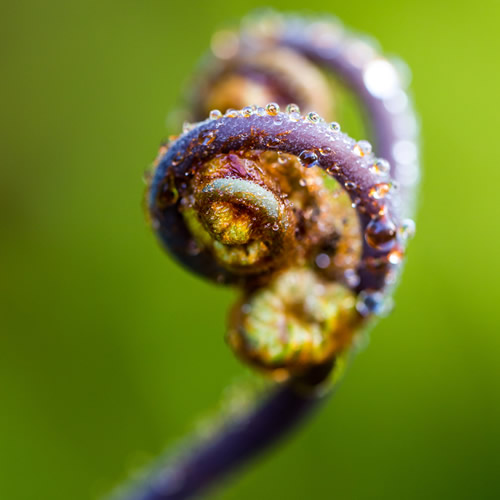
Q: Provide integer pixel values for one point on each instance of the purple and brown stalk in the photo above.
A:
(310, 224)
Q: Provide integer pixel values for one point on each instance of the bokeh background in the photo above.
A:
(109, 351)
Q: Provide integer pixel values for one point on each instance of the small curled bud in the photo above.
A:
(297, 322)
(235, 213)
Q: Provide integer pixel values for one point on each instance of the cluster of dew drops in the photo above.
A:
(369, 302)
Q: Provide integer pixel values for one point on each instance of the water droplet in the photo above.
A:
(273, 142)
(225, 44)
(334, 126)
(405, 152)
(168, 195)
(381, 78)
(381, 166)
(380, 233)
(308, 158)
(313, 117)
(179, 156)
(215, 114)
(350, 186)
(332, 169)
(372, 302)
(377, 264)
(379, 190)
(365, 146)
(247, 111)
(325, 151)
(382, 209)
(322, 260)
(303, 182)
(357, 150)
(391, 278)
(272, 109)
(206, 137)
(351, 278)
(275, 227)
(186, 127)
(292, 108)
(395, 256)
(407, 229)
(295, 117)
(232, 113)
(260, 111)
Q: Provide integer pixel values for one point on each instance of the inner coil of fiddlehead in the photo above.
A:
(257, 211)
(235, 199)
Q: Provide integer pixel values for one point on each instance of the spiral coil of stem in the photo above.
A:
(309, 223)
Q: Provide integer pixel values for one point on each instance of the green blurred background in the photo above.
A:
(109, 351)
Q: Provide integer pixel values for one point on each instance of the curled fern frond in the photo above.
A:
(236, 199)
(310, 224)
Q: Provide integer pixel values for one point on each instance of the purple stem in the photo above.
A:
(239, 441)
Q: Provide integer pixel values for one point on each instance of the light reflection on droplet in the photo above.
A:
(322, 260)
(381, 78)
(359, 52)
(405, 152)
(397, 103)
(225, 44)
(215, 114)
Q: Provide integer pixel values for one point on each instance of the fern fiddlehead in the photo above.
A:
(308, 222)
